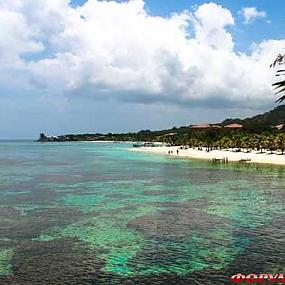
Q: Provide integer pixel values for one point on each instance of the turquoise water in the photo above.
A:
(97, 213)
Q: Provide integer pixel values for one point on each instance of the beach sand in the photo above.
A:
(254, 156)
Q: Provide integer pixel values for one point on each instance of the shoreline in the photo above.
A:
(231, 156)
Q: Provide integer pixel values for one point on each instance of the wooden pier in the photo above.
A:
(223, 160)
(245, 160)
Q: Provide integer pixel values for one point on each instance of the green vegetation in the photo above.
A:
(257, 133)
(261, 122)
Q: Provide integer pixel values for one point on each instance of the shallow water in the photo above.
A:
(96, 213)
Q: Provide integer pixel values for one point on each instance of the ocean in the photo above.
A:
(97, 213)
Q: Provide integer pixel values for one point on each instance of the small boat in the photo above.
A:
(145, 144)
(137, 145)
(245, 160)
(149, 144)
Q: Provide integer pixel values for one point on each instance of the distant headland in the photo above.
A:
(269, 123)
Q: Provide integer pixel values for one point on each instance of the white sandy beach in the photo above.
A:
(254, 156)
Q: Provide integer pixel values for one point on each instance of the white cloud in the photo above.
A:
(110, 49)
(211, 23)
(251, 13)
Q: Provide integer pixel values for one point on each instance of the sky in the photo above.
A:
(115, 66)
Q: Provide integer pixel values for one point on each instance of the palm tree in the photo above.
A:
(280, 142)
(271, 143)
(252, 143)
(279, 86)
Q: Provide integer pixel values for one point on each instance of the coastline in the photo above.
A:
(231, 156)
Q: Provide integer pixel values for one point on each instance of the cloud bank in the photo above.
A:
(106, 49)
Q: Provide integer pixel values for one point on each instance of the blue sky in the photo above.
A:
(113, 66)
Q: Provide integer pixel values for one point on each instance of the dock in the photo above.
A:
(245, 160)
(223, 160)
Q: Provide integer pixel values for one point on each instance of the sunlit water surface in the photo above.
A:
(97, 213)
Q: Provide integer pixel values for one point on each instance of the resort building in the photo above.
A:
(234, 126)
(205, 126)
(279, 127)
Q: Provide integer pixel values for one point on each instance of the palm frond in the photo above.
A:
(279, 86)
(280, 100)
(279, 83)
